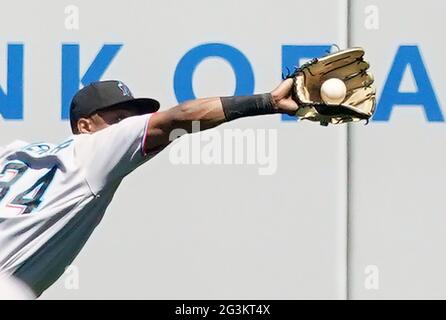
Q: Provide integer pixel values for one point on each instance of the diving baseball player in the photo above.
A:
(52, 196)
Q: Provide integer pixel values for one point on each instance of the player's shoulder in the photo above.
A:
(36, 149)
(16, 144)
(12, 147)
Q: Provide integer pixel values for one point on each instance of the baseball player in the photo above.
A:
(52, 196)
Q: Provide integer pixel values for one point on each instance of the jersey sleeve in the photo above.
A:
(110, 154)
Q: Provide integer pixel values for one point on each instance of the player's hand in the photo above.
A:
(283, 99)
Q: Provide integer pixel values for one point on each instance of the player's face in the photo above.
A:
(104, 118)
(116, 114)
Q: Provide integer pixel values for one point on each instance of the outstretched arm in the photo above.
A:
(211, 112)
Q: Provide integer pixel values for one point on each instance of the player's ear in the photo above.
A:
(84, 125)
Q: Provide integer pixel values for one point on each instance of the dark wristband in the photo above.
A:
(245, 106)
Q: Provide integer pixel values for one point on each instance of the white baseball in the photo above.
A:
(333, 91)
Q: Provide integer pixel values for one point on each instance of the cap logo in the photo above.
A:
(125, 90)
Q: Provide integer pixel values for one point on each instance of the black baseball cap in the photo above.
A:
(105, 94)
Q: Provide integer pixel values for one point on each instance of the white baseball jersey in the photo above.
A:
(53, 196)
(14, 289)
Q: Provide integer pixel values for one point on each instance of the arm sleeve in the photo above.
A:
(110, 154)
